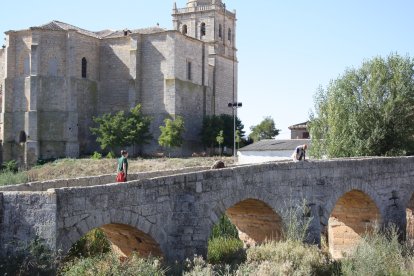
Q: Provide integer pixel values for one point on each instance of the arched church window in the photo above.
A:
(84, 67)
(203, 29)
(22, 137)
(229, 35)
(184, 30)
(220, 31)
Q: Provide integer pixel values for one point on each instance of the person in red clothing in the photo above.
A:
(122, 170)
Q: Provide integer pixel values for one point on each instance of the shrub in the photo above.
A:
(296, 222)
(379, 254)
(96, 156)
(94, 243)
(32, 259)
(284, 258)
(111, 155)
(11, 166)
(111, 264)
(224, 250)
(224, 228)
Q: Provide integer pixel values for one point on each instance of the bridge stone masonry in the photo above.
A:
(172, 213)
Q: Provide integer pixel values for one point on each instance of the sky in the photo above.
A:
(286, 49)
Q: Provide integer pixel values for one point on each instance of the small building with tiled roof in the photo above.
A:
(299, 131)
(269, 150)
(54, 78)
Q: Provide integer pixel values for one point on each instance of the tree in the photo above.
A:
(367, 111)
(122, 129)
(171, 133)
(213, 124)
(265, 130)
(238, 138)
(220, 140)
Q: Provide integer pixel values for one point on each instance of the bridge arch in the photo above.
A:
(254, 217)
(127, 232)
(354, 213)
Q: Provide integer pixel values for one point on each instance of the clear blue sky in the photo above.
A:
(286, 49)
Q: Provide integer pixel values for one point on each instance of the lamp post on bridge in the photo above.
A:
(234, 105)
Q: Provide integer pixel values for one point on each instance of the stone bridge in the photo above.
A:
(172, 213)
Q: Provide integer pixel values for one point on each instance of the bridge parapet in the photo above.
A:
(87, 181)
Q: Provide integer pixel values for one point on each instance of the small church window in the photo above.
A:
(84, 67)
(220, 31)
(229, 35)
(203, 29)
(184, 30)
(189, 70)
(22, 137)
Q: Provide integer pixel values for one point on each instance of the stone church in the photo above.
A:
(56, 77)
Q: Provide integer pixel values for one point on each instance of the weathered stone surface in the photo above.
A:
(173, 214)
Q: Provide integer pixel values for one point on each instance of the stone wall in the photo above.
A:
(25, 216)
(52, 53)
(2, 75)
(83, 46)
(16, 90)
(114, 74)
(224, 84)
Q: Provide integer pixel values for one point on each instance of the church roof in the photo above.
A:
(61, 26)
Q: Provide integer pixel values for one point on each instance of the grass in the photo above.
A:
(8, 178)
(70, 168)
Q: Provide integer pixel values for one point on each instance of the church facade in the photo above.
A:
(56, 77)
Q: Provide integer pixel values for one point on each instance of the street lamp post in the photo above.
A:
(234, 105)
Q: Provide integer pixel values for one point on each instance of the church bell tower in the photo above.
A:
(208, 21)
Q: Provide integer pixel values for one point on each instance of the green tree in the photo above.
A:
(367, 111)
(238, 139)
(265, 130)
(213, 124)
(122, 129)
(220, 140)
(171, 133)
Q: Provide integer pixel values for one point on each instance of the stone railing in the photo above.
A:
(91, 180)
(202, 8)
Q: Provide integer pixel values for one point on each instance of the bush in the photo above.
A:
(96, 156)
(224, 250)
(224, 228)
(111, 264)
(11, 166)
(94, 243)
(284, 258)
(296, 222)
(379, 254)
(32, 259)
(111, 155)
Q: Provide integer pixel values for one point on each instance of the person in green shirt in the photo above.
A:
(122, 170)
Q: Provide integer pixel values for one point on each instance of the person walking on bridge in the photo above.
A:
(122, 170)
(300, 153)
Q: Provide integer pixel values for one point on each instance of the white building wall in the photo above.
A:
(249, 157)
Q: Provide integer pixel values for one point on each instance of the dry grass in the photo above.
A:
(70, 168)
